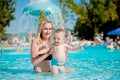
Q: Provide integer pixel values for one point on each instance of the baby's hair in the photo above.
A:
(60, 31)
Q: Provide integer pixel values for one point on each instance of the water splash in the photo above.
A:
(30, 22)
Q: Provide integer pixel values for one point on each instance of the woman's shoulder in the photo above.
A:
(34, 41)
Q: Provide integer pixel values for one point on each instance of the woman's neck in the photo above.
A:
(45, 41)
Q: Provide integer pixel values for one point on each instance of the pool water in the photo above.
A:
(94, 63)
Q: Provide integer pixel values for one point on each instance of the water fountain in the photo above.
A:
(34, 12)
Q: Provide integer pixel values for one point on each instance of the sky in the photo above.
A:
(20, 5)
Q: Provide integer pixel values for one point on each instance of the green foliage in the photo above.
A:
(7, 9)
(110, 12)
(92, 14)
(117, 2)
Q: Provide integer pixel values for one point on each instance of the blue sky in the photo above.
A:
(20, 5)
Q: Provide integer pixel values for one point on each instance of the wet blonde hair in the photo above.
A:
(39, 32)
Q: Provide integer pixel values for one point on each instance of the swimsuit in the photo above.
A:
(48, 58)
(59, 65)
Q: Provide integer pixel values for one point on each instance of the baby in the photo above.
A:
(58, 50)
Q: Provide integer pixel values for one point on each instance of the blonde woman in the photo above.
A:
(43, 40)
(41, 62)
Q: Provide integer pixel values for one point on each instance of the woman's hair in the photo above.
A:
(40, 29)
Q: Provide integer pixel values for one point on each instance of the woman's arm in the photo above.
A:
(34, 50)
(38, 59)
(43, 51)
(46, 50)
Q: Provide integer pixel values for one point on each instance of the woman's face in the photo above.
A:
(47, 31)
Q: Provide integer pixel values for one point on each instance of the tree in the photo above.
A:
(67, 14)
(92, 14)
(117, 2)
(7, 9)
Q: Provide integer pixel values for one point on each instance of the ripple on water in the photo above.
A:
(88, 65)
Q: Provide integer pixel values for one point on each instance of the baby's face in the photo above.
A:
(59, 38)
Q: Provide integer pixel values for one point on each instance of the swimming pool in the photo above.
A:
(94, 63)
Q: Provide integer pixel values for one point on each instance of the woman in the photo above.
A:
(43, 40)
(42, 62)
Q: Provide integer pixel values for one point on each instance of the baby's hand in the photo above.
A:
(81, 48)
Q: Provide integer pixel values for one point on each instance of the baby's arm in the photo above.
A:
(74, 47)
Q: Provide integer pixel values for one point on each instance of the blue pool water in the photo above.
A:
(94, 63)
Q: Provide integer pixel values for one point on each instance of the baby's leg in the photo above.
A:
(54, 70)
